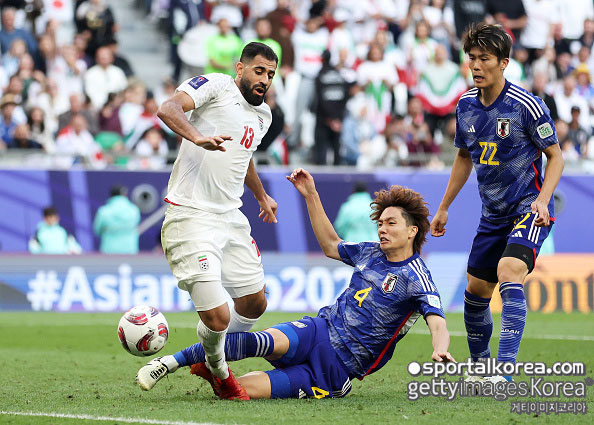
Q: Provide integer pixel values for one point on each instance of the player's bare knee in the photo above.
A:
(281, 344)
(511, 269)
(251, 306)
(216, 319)
(480, 287)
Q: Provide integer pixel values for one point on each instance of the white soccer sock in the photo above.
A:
(214, 349)
(239, 323)
(170, 362)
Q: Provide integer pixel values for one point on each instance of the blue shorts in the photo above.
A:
(492, 238)
(311, 367)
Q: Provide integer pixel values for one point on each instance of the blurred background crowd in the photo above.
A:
(363, 83)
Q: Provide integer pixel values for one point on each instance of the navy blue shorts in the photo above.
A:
(311, 367)
(492, 238)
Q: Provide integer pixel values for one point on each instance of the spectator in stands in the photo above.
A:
(116, 224)
(539, 88)
(541, 15)
(223, 49)
(8, 123)
(51, 238)
(419, 50)
(147, 119)
(567, 97)
(576, 133)
(152, 149)
(78, 106)
(308, 42)
(75, 142)
(583, 85)
(193, 12)
(573, 15)
(47, 55)
(377, 78)
(104, 78)
(231, 10)
(568, 148)
(263, 31)
(282, 24)
(353, 222)
(109, 117)
(331, 95)
(9, 32)
(95, 20)
(509, 13)
(440, 17)
(118, 60)
(12, 57)
(22, 138)
(68, 70)
(440, 86)
(467, 12)
(132, 106)
(52, 102)
(39, 131)
(33, 80)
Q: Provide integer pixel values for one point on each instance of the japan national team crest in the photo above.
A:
(389, 283)
(503, 127)
(203, 262)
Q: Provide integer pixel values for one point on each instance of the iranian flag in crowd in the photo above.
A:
(442, 101)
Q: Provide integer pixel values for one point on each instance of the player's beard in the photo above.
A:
(248, 92)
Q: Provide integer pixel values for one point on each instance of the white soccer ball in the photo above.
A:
(143, 330)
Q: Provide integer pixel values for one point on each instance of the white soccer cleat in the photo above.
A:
(495, 379)
(473, 378)
(151, 373)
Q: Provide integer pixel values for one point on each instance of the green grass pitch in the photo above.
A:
(73, 365)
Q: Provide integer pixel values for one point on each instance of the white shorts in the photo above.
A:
(201, 246)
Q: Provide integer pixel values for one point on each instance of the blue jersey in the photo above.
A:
(383, 300)
(505, 141)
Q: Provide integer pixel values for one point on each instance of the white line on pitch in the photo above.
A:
(103, 418)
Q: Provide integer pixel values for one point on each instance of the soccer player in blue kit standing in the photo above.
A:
(389, 290)
(502, 130)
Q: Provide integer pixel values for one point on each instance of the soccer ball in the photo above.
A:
(143, 331)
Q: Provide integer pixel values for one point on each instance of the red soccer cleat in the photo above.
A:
(227, 389)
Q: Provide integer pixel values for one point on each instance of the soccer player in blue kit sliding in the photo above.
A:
(389, 290)
(502, 130)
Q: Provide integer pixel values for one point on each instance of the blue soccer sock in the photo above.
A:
(479, 325)
(238, 345)
(513, 319)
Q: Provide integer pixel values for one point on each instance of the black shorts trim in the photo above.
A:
(521, 252)
(490, 275)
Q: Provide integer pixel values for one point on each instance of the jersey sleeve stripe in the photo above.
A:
(416, 266)
(525, 104)
(529, 98)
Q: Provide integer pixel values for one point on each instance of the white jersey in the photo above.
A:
(213, 180)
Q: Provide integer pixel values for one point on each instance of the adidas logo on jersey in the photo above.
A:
(471, 129)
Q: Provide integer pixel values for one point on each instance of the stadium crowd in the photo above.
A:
(366, 83)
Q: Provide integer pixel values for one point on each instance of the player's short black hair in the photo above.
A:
(413, 206)
(49, 211)
(255, 48)
(489, 37)
(118, 190)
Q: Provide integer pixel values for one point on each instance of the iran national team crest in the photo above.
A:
(261, 122)
(389, 283)
(503, 127)
(203, 261)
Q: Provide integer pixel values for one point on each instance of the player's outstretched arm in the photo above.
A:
(325, 233)
(172, 112)
(460, 172)
(553, 171)
(268, 206)
(440, 338)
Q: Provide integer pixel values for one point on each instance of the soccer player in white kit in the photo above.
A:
(205, 237)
